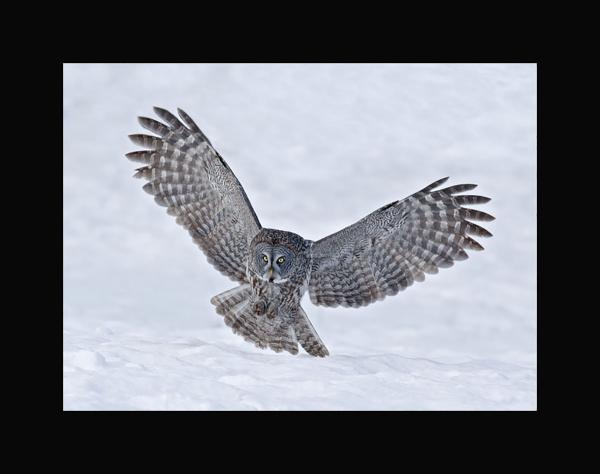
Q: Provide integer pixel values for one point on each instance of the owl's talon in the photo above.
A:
(260, 307)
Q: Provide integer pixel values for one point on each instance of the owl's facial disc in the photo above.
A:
(273, 263)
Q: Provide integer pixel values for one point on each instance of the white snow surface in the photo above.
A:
(317, 147)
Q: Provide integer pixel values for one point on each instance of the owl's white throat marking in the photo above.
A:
(276, 281)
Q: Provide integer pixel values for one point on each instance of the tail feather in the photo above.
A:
(280, 333)
(307, 336)
(243, 321)
(230, 298)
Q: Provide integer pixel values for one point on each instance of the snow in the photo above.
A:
(316, 147)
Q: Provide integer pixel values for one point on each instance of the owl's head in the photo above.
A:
(276, 254)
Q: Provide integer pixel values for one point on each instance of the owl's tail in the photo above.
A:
(225, 302)
(307, 336)
(282, 332)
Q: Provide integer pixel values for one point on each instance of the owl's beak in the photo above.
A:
(270, 274)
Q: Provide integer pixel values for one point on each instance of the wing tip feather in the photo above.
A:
(143, 121)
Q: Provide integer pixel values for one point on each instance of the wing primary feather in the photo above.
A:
(433, 185)
(458, 188)
(470, 199)
(154, 126)
(473, 214)
(169, 118)
(139, 156)
(146, 141)
(192, 125)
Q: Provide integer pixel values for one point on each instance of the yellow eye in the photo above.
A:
(280, 260)
(265, 258)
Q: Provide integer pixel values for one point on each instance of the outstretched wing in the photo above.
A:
(187, 176)
(389, 249)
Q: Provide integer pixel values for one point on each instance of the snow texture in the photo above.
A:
(317, 147)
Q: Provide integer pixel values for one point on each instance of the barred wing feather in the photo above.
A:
(187, 176)
(396, 245)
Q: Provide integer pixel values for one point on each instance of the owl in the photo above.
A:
(378, 256)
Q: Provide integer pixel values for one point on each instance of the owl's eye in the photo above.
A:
(265, 258)
(280, 260)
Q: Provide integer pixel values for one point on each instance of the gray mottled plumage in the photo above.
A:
(378, 256)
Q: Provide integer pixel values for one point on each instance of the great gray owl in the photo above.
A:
(378, 256)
